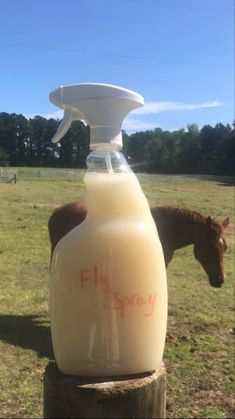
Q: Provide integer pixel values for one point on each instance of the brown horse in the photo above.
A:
(177, 228)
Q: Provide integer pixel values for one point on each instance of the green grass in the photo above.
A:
(199, 348)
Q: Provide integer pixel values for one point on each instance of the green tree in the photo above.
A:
(176, 160)
(210, 150)
(22, 135)
(8, 136)
(158, 156)
(225, 151)
(37, 140)
(189, 150)
(49, 149)
(4, 158)
(137, 149)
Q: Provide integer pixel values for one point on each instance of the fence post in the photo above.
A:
(134, 396)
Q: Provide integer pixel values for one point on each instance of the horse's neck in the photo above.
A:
(178, 227)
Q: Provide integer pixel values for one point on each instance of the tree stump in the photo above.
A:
(132, 396)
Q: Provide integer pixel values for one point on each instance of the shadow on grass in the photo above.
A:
(28, 332)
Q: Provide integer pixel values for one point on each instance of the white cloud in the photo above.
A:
(133, 124)
(156, 107)
(149, 108)
(56, 115)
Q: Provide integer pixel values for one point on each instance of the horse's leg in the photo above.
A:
(168, 255)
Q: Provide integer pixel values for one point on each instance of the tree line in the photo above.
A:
(209, 150)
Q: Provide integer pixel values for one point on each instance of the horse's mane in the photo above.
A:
(182, 212)
(183, 216)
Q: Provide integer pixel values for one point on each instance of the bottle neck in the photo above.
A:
(105, 136)
(112, 189)
(107, 160)
(114, 195)
(104, 181)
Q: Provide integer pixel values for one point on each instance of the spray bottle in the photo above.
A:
(108, 291)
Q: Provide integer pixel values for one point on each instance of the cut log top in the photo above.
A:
(132, 396)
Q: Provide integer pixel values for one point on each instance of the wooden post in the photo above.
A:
(133, 396)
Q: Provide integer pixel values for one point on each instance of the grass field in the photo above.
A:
(199, 351)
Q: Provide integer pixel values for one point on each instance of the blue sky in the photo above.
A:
(179, 54)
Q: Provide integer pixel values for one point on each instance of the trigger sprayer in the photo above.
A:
(108, 295)
(103, 107)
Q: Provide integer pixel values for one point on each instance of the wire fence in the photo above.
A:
(7, 177)
(6, 174)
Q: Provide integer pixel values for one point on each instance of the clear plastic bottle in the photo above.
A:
(108, 290)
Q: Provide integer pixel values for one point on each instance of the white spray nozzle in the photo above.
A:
(102, 106)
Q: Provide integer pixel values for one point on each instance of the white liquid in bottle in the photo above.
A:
(108, 291)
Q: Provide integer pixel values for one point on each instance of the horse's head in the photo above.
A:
(209, 249)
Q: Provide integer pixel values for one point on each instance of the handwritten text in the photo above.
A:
(98, 279)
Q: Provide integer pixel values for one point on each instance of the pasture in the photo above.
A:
(199, 351)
